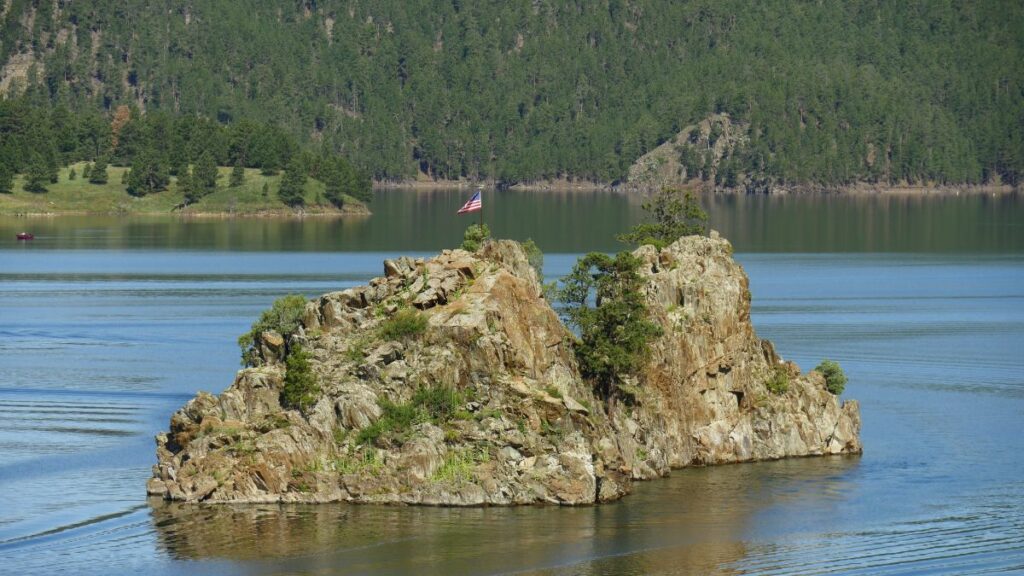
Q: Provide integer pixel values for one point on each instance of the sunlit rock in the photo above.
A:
(482, 403)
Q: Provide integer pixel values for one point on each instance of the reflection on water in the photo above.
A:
(568, 222)
(693, 522)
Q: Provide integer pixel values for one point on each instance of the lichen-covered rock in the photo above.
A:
(486, 406)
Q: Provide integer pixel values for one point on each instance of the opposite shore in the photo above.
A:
(568, 185)
(256, 198)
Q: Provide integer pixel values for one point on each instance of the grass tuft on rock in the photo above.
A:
(458, 466)
(778, 382)
(405, 324)
(438, 405)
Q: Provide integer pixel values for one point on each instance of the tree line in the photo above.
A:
(38, 139)
(833, 91)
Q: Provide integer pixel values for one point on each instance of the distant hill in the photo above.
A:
(828, 91)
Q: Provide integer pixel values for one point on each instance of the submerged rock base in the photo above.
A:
(485, 405)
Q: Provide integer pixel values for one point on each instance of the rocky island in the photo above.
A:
(452, 381)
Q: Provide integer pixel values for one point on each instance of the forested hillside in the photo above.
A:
(832, 91)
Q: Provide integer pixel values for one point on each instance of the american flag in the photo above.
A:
(474, 204)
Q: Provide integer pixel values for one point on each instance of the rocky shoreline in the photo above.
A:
(483, 404)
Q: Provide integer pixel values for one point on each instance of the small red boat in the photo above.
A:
(25, 236)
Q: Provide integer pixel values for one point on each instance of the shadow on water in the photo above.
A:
(698, 520)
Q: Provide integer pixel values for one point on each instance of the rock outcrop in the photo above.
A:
(694, 156)
(485, 404)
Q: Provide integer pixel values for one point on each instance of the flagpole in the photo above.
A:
(480, 191)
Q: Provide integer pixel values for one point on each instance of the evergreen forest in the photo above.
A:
(830, 91)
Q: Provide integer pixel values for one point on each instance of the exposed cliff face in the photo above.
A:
(486, 405)
(703, 398)
(698, 155)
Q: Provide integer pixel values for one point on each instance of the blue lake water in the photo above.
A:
(104, 334)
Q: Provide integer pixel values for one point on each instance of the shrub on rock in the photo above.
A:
(835, 378)
(283, 317)
(475, 236)
(778, 382)
(300, 386)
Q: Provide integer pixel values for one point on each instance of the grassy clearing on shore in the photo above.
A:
(256, 195)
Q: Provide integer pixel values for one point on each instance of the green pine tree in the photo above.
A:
(6, 178)
(72, 175)
(148, 174)
(177, 155)
(37, 176)
(98, 173)
(615, 329)
(675, 213)
(293, 184)
(334, 178)
(237, 175)
(189, 189)
(362, 186)
(205, 173)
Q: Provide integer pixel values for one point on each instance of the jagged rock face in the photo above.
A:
(523, 426)
(702, 399)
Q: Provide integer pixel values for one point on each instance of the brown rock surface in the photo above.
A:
(524, 427)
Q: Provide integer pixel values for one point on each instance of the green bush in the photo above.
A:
(835, 378)
(300, 386)
(475, 236)
(778, 383)
(283, 317)
(406, 323)
(438, 404)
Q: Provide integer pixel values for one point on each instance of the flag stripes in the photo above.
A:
(475, 203)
